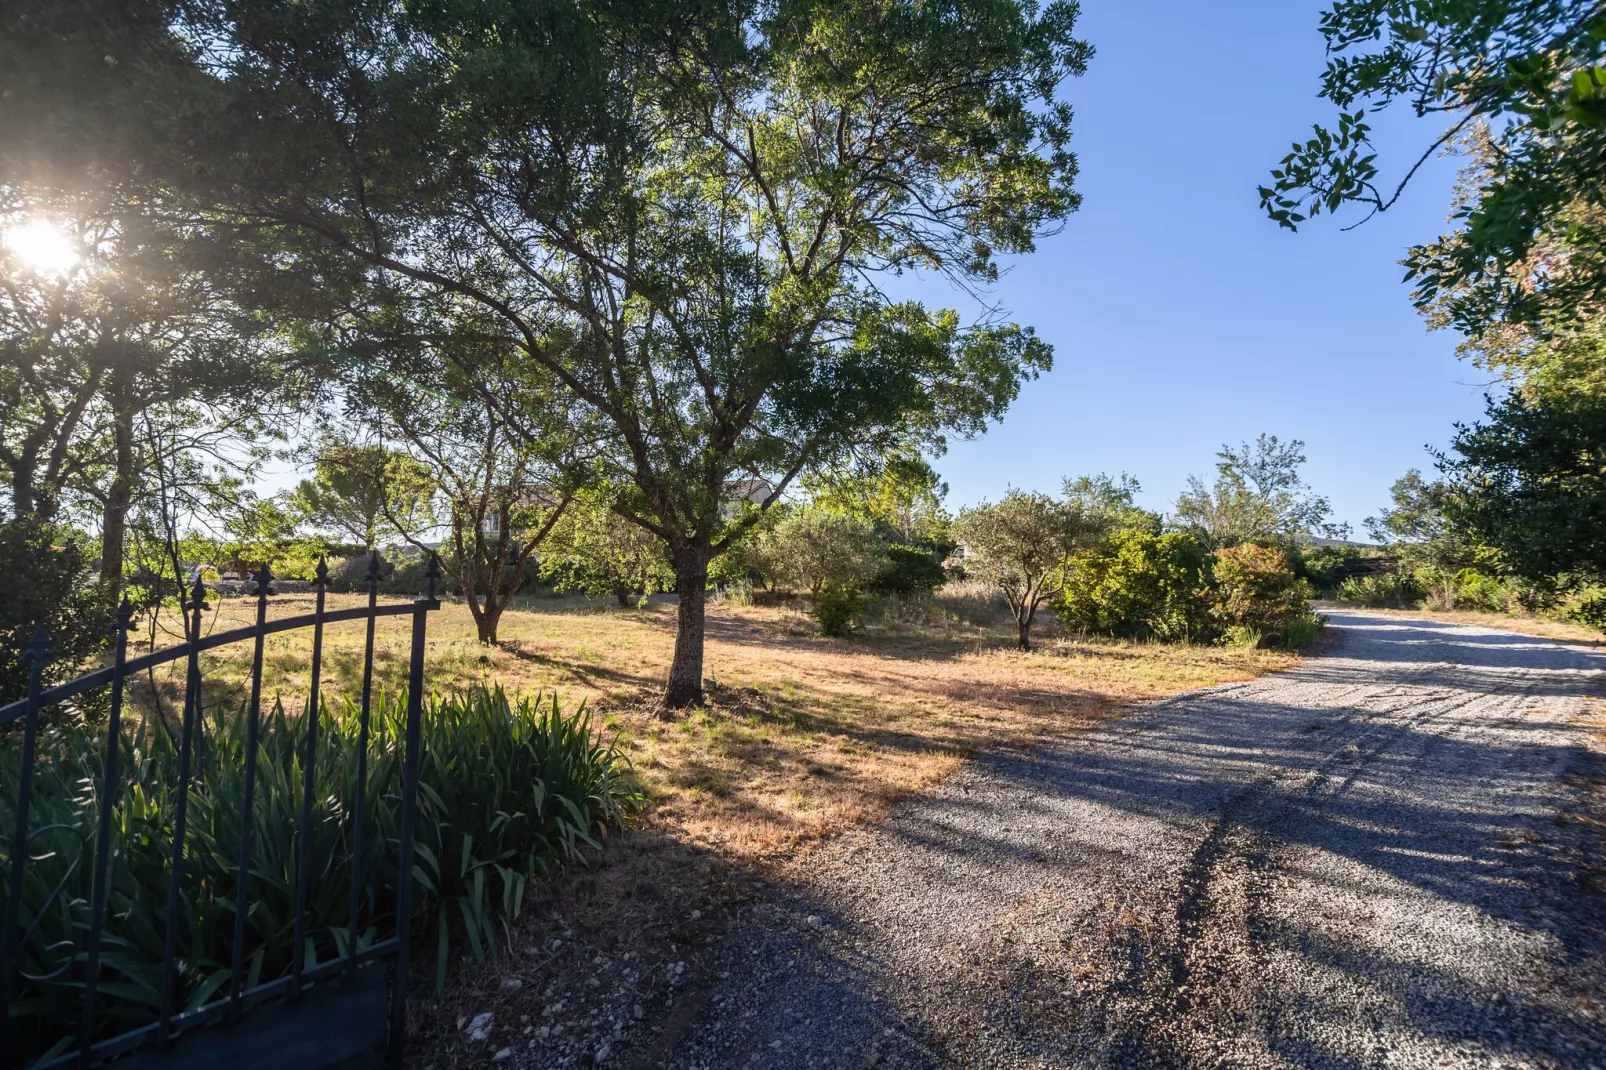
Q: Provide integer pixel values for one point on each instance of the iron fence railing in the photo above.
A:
(83, 964)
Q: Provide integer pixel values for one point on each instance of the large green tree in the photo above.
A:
(1519, 82)
(670, 214)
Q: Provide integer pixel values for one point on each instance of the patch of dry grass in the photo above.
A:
(802, 735)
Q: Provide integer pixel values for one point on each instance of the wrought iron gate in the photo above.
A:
(312, 1016)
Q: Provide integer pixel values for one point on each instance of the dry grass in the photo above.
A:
(1525, 624)
(802, 735)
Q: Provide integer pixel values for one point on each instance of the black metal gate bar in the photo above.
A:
(108, 798)
(409, 818)
(253, 713)
(309, 767)
(181, 809)
(360, 804)
(239, 997)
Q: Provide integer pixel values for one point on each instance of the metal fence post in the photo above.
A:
(242, 869)
(103, 831)
(192, 707)
(309, 784)
(360, 803)
(409, 818)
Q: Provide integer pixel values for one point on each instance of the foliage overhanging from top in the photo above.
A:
(1520, 79)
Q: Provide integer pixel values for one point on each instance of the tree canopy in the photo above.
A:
(669, 214)
(1528, 484)
(1258, 494)
(1518, 81)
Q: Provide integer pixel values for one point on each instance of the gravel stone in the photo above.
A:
(1365, 861)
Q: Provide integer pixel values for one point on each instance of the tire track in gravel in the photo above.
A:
(1358, 863)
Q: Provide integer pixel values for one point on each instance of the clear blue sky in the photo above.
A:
(1180, 316)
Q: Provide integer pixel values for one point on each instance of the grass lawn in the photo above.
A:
(802, 735)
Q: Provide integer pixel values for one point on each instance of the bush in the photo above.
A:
(44, 578)
(837, 608)
(910, 572)
(1300, 632)
(1256, 588)
(1141, 585)
(1241, 635)
(1384, 590)
(1480, 592)
(507, 791)
(1590, 611)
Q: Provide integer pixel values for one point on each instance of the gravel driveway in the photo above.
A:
(1382, 858)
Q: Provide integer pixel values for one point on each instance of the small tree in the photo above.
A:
(597, 552)
(46, 582)
(500, 497)
(816, 546)
(356, 487)
(1021, 545)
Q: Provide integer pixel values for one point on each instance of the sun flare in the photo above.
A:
(43, 247)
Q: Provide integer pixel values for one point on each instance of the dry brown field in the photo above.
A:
(802, 735)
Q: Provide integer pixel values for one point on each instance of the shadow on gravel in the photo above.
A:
(1342, 776)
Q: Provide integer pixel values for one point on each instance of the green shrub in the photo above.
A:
(1480, 592)
(1590, 611)
(1256, 588)
(1300, 632)
(910, 572)
(837, 608)
(814, 547)
(1241, 635)
(44, 578)
(507, 791)
(1141, 585)
(1384, 590)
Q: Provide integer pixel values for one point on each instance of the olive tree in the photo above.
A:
(1021, 545)
(817, 546)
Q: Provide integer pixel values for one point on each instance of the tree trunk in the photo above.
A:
(114, 522)
(691, 587)
(22, 504)
(623, 592)
(486, 622)
(1025, 634)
